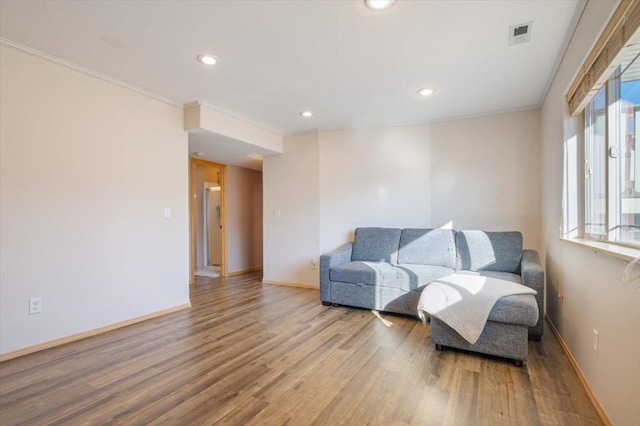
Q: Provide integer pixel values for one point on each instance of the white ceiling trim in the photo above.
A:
(439, 120)
(87, 71)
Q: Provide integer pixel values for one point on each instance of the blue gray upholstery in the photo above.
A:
(489, 251)
(339, 256)
(516, 309)
(497, 338)
(507, 276)
(405, 277)
(533, 276)
(435, 247)
(421, 275)
(376, 245)
(367, 273)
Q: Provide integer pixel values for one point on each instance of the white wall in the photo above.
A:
(87, 168)
(595, 297)
(244, 219)
(480, 173)
(291, 185)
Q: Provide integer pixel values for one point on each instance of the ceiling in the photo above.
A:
(353, 67)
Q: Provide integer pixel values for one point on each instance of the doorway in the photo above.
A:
(208, 224)
(212, 253)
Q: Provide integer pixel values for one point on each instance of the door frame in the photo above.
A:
(193, 194)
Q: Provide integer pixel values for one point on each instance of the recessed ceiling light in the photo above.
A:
(199, 154)
(306, 113)
(427, 91)
(208, 59)
(378, 4)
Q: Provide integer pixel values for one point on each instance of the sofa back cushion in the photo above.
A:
(436, 247)
(489, 251)
(376, 245)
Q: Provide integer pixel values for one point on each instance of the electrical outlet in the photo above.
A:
(314, 263)
(35, 305)
(596, 341)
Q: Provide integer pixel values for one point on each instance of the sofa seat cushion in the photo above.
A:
(405, 277)
(435, 247)
(368, 273)
(376, 245)
(421, 275)
(521, 309)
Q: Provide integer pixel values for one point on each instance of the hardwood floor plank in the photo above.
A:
(243, 413)
(463, 399)
(302, 400)
(432, 408)
(247, 353)
(353, 403)
(522, 406)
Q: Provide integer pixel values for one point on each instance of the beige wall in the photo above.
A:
(373, 177)
(480, 173)
(87, 169)
(244, 219)
(486, 174)
(291, 186)
(595, 297)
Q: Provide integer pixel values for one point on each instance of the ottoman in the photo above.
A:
(505, 334)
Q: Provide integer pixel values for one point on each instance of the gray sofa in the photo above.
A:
(386, 269)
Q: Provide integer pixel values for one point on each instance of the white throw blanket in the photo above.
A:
(464, 302)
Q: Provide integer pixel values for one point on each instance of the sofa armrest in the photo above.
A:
(533, 276)
(334, 258)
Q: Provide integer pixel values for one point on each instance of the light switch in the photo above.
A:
(276, 212)
(167, 212)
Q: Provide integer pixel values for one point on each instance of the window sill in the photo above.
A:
(613, 250)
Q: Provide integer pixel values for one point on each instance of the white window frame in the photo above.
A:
(613, 197)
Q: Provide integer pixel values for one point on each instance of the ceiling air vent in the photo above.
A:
(519, 34)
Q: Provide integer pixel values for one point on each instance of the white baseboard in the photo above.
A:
(285, 284)
(244, 271)
(89, 333)
(592, 397)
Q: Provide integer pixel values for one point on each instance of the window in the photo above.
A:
(611, 160)
(595, 136)
(601, 194)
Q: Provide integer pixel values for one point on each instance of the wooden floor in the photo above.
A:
(254, 354)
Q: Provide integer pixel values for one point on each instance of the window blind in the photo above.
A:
(617, 39)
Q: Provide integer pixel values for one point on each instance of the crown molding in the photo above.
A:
(422, 123)
(55, 59)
